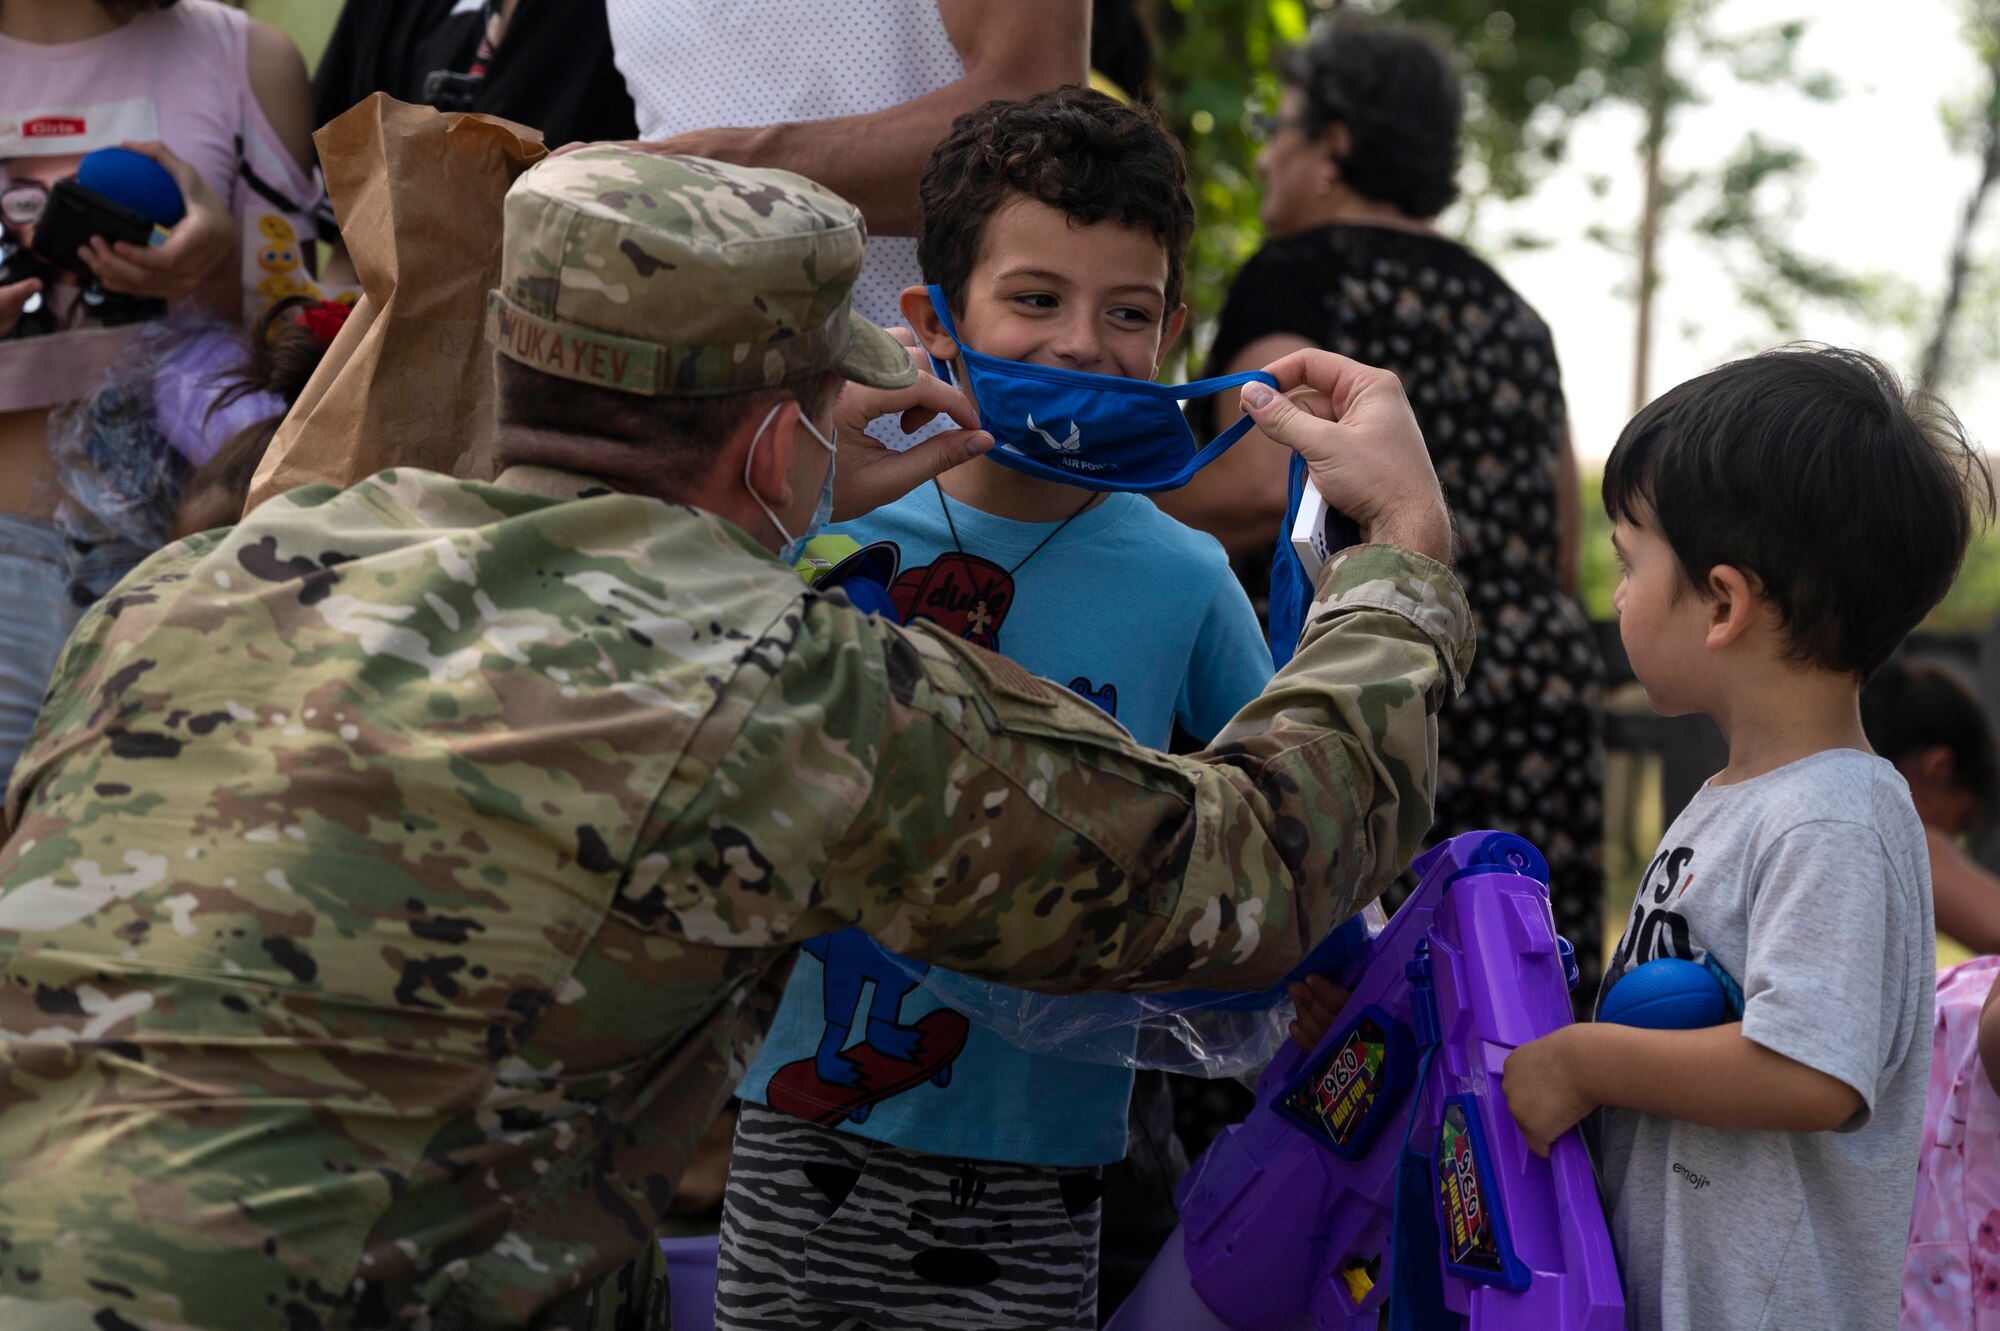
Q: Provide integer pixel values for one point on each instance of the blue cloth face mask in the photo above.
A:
(1096, 431)
(794, 545)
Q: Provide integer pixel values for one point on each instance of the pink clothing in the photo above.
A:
(181, 76)
(1951, 1275)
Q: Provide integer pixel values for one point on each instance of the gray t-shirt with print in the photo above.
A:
(1810, 886)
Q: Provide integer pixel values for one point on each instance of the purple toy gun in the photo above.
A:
(1385, 1164)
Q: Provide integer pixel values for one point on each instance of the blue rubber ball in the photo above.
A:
(1666, 995)
(135, 180)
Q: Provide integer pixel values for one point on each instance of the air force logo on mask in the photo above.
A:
(1068, 444)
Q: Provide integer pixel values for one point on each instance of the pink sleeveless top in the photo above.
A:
(1951, 1273)
(181, 76)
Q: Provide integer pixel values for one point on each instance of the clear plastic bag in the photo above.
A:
(1199, 1033)
(124, 452)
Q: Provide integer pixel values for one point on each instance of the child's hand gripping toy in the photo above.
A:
(116, 193)
(1385, 1164)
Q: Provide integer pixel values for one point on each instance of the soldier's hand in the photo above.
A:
(868, 474)
(1360, 443)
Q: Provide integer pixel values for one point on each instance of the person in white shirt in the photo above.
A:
(853, 96)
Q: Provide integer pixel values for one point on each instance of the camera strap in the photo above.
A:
(261, 187)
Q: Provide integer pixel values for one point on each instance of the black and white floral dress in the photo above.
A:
(1521, 749)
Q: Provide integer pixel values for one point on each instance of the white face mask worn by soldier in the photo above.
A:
(794, 546)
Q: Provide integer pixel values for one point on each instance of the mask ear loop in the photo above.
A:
(749, 457)
(1242, 425)
(942, 368)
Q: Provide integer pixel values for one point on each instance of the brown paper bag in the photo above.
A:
(409, 380)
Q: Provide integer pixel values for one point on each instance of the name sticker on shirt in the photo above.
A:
(55, 131)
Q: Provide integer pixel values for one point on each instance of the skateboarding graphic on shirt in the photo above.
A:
(842, 1083)
(845, 1078)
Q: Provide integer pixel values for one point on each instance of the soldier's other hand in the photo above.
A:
(868, 474)
(14, 298)
(1318, 1002)
(1361, 445)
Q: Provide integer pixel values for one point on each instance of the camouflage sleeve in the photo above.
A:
(1013, 832)
(71, 691)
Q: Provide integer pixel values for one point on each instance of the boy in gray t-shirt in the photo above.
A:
(1812, 884)
(1782, 523)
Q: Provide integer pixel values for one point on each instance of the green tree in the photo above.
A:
(1739, 206)
(1969, 286)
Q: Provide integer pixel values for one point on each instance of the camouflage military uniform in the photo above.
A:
(400, 879)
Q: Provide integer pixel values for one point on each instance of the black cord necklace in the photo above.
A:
(959, 546)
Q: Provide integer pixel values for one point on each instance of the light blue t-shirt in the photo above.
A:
(1130, 609)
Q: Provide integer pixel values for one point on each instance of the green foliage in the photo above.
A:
(1970, 604)
(1742, 205)
(1962, 335)
(1750, 201)
(310, 22)
(1531, 69)
(1214, 73)
(1597, 563)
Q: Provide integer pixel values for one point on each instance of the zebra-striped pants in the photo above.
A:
(826, 1232)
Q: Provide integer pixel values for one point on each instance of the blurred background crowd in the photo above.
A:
(1535, 212)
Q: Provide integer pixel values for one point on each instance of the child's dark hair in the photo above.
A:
(1913, 705)
(1810, 468)
(1074, 149)
(284, 354)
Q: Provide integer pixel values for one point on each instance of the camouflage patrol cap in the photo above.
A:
(681, 277)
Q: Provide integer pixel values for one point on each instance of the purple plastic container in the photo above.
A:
(1291, 1214)
(691, 1281)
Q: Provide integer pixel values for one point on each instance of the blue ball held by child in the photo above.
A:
(1667, 995)
(135, 180)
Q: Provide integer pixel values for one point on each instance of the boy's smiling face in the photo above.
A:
(1050, 291)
